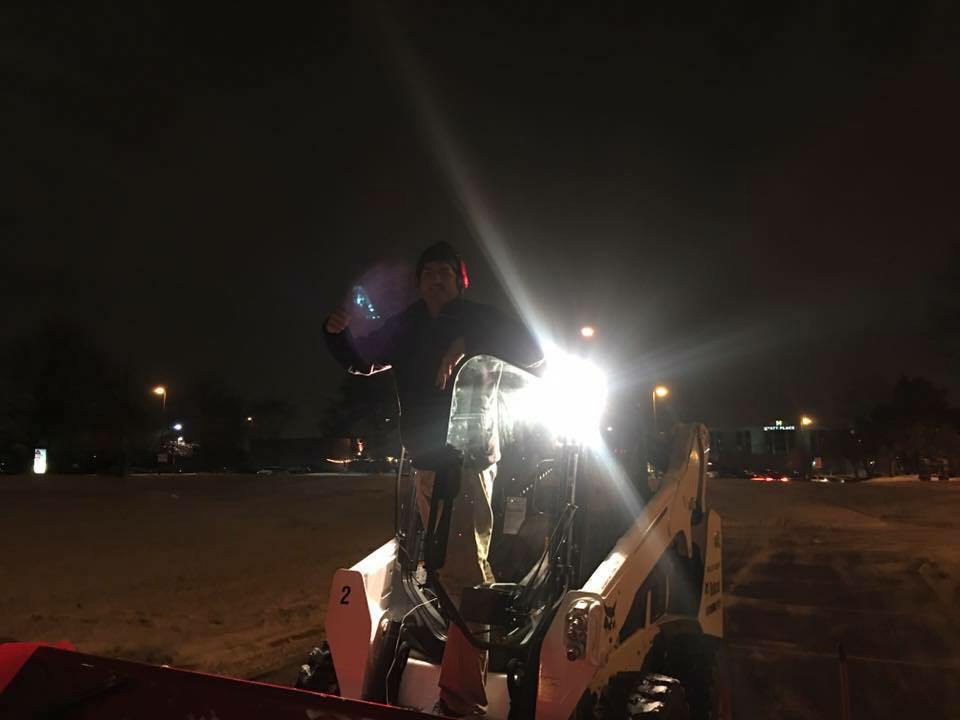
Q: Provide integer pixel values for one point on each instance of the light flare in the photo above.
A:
(579, 414)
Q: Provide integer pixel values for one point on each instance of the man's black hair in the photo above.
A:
(444, 252)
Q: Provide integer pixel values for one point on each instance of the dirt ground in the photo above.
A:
(230, 574)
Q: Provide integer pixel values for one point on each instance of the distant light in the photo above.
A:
(587, 331)
(159, 390)
(806, 420)
(180, 440)
(178, 427)
(660, 391)
(609, 428)
(249, 418)
(40, 461)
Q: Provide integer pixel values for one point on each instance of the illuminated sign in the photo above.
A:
(778, 425)
(40, 461)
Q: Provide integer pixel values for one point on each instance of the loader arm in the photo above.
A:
(622, 606)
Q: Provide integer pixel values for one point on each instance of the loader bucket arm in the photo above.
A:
(44, 681)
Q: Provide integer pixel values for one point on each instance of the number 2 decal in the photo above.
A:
(344, 599)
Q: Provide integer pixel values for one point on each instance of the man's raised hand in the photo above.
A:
(338, 321)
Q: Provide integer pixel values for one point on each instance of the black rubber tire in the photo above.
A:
(699, 663)
(657, 696)
(317, 674)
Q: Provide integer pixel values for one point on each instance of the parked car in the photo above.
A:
(272, 470)
(770, 476)
(934, 469)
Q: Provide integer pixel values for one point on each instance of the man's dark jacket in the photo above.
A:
(413, 344)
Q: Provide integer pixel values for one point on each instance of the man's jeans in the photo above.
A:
(463, 670)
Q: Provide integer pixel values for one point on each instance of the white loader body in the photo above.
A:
(625, 580)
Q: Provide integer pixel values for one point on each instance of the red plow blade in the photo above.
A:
(41, 681)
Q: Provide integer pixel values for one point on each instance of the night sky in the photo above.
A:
(754, 204)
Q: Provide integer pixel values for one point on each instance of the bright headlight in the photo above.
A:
(574, 398)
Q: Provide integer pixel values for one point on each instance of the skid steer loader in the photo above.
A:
(605, 606)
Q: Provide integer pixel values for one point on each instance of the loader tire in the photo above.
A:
(317, 674)
(699, 663)
(657, 696)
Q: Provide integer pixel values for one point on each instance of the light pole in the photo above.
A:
(658, 392)
(161, 391)
(807, 439)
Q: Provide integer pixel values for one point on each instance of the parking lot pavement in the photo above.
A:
(876, 568)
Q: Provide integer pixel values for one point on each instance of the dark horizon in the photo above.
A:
(756, 208)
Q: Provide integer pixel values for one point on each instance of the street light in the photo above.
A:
(658, 392)
(806, 421)
(587, 332)
(249, 418)
(178, 427)
(162, 392)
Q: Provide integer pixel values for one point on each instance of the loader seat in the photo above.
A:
(487, 604)
(516, 554)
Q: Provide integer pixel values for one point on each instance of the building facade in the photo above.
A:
(777, 445)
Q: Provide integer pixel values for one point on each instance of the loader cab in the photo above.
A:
(495, 422)
(586, 571)
(536, 431)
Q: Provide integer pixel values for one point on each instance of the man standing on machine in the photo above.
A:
(424, 345)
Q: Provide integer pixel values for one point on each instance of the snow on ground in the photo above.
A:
(223, 573)
(230, 574)
(894, 479)
(905, 478)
